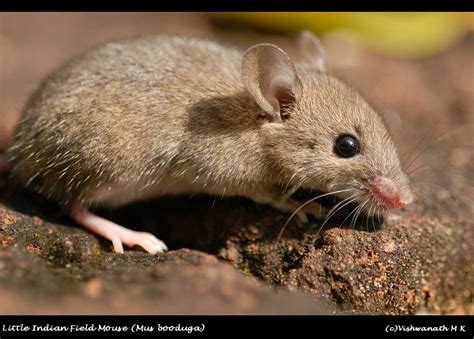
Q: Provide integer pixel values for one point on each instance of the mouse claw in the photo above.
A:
(117, 243)
(147, 241)
(316, 210)
(302, 218)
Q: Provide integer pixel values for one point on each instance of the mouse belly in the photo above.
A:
(124, 193)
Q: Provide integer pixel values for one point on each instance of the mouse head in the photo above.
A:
(320, 133)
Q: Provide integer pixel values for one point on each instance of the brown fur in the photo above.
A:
(166, 115)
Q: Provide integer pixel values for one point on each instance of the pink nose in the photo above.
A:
(389, 193)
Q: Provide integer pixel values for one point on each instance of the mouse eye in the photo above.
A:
(346, 146)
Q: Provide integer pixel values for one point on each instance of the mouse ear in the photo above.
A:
(270, 77)
(312, 51)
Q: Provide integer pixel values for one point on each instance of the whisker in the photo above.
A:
(305, 204)
(338, 206)
(330, 215)
(439, 139)
(406, 156)
(365, 202)
(354, 217)
(407, 167)
(453, 132)
(377, 213)
(372, 217)
(411, 171)
(378, 218)
(367, 217)
(353, 210)
(359, 211)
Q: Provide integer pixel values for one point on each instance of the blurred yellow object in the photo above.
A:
(469, 17)
(403, 34)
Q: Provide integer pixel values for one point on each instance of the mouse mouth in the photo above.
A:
(371, 199)
(353, 208)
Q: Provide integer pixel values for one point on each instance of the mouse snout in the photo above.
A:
(388, 193)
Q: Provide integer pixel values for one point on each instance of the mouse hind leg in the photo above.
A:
(117, 234)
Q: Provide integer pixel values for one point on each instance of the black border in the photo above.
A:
(335, 326)
(235, 5)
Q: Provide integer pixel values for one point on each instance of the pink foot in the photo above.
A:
(117, 234)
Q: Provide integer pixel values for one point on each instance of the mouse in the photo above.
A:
(161, 115)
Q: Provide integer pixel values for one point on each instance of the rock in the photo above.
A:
(412, 264)
(51, 268)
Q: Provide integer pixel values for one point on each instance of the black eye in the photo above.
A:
(346, 146)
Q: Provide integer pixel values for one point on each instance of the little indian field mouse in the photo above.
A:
(163, 115)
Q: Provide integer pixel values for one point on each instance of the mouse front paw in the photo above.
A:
(292, 206)
(316, 210)
(284, 204)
